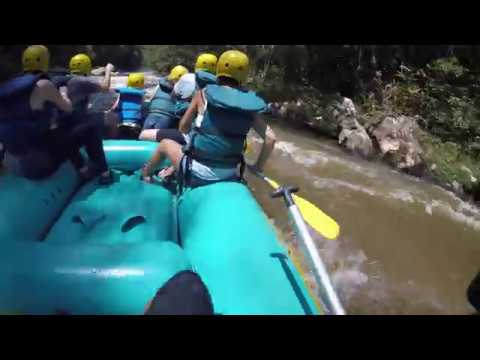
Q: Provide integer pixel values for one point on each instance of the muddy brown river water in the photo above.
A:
(406, 246)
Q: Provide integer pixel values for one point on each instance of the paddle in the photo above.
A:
(328, 296)
(316, 218)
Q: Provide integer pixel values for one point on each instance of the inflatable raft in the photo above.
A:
(89, 249)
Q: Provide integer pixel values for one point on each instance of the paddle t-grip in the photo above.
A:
(285, 192)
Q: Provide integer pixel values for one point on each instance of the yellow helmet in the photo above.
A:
(206, 62)
(233, 64)
(80, 64)
(136, 80)
(177, 72)
(36, 58)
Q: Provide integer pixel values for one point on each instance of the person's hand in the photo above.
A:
(109, 67)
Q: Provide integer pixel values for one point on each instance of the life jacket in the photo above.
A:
(61, 80)
(165, 85)
(20, 126)
(218, 137)
(163, 103)
(204, 78)
(181, 107)
(130, 105)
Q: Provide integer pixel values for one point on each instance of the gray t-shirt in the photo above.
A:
(79, 90)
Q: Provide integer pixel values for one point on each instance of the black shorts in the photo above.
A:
(171, 134)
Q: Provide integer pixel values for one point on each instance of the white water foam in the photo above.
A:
(315, 158)
(306, 158)
(462, 211)
(402, 195)
(330, 183)
(456, 214)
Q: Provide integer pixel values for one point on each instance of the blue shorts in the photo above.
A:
(200, 174)
(159, 121)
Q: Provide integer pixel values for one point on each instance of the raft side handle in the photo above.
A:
(133, 222)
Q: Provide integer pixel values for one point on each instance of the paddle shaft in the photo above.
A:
(328, 295)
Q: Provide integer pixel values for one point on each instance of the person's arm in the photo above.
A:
(45, 91)
(187, 118)
(268, 136)
(108, 78)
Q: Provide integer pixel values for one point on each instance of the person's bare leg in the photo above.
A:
(148, 135)
(167, 147)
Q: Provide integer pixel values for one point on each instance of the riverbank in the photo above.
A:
(426, 123)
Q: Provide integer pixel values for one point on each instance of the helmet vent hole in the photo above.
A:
(38, 59)
(227, 65)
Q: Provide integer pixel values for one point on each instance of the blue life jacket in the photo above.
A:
(219, 140)
(20, 126)
(205, 78)
(131, 105)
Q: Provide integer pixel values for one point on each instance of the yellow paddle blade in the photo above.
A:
(316, 218)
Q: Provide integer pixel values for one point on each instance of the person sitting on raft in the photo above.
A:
(163, 112)
(181, 95)
(130, 106)
(81, 87)
(205, 68)
(226, 113)
(35, 139)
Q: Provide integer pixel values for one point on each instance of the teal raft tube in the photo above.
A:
(89, 249)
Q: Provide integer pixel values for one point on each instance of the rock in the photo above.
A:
(338, 114)
(294, 112)
(394, 136)
(341, 112)
(357, 141)
(352, 135)
(339, 119)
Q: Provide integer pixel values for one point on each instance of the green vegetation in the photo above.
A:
(448, 163)
(445, 97)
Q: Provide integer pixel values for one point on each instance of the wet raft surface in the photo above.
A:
(97, 258)
(107, 250)
(127, 212)
(230, 243)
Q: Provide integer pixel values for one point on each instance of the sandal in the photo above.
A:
(87, 175)
(170, 174)
(106, 179)
(148, 179)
